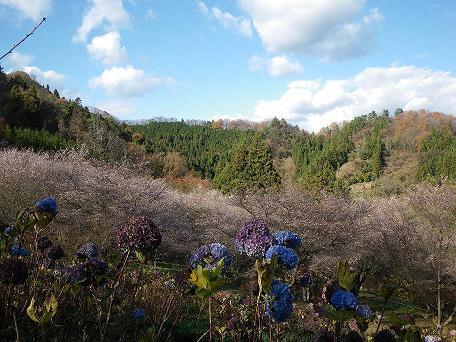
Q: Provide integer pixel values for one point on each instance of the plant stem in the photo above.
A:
(111, 300)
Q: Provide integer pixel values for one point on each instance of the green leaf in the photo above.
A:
(345, 277)
(44, 313)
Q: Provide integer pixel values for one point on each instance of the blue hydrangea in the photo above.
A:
(19, 251)
(8, 230)
(343, 300)
(285, 256)
(364, 311)
(139, 314)
(287, 239)
(209, 256)
(47, 205)
(282, 305)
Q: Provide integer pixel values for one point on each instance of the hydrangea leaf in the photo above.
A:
(345, 276)
(44, 313)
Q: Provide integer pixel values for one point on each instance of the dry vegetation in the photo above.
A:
(395, 237)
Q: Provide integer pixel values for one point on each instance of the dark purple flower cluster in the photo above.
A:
(285, 256)
(282, 306)
(139, 233)
(47, 205)
(87, 251)
(85, 273)
(254, 238)
(49, 251)
(13, 271)
(208, 256)
(287, 239)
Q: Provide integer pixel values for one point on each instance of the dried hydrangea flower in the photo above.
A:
(43, 243)
(285, 256)
(282, 305)
(209, 255)
(254, 238)
(287, 239)
(87, 251)
(13, 271)
(139, 233)
(47, 205)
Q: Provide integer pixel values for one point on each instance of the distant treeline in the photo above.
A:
(232, 155)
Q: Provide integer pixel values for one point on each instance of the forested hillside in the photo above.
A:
(372, 154)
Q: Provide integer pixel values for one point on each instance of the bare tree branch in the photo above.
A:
(23, 39)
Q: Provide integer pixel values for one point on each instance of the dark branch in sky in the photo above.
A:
(23, 39)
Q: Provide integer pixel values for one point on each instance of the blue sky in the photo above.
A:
(312, 62)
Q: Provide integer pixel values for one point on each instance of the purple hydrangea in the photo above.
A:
(364, 311)
(47, 205)
(20, 251)
(139, 233)
(13, 271)
(96, 266)
(343, 300)
(254, 238)
(287, 239)
(285, 256)
(87, 251)
(281, 307)
(209, 255)
(139, 314)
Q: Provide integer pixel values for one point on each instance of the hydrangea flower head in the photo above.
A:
(282, 305)
(13, 271)
(209, 255)
(343, 300)
(20, 251)
(87, 251)
(287, 239)
(47, 205)
(138, 233)
(364, 311)
(139, 314)
(285, 256)
(43, 243)
(254, 238)
(96, 266)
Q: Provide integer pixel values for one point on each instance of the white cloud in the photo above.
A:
(313, 104)
(34, 10)
(109, 13)
(107, 48)
(228, 21)
(17, 60)
(329, 29)
(122, 109)
(51, 77)
(127, 82)
(275, 66)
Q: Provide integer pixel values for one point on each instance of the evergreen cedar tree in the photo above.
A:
(234, 156)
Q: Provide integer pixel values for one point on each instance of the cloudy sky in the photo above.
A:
(312, 62)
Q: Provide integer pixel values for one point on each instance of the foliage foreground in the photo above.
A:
(261, 294)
